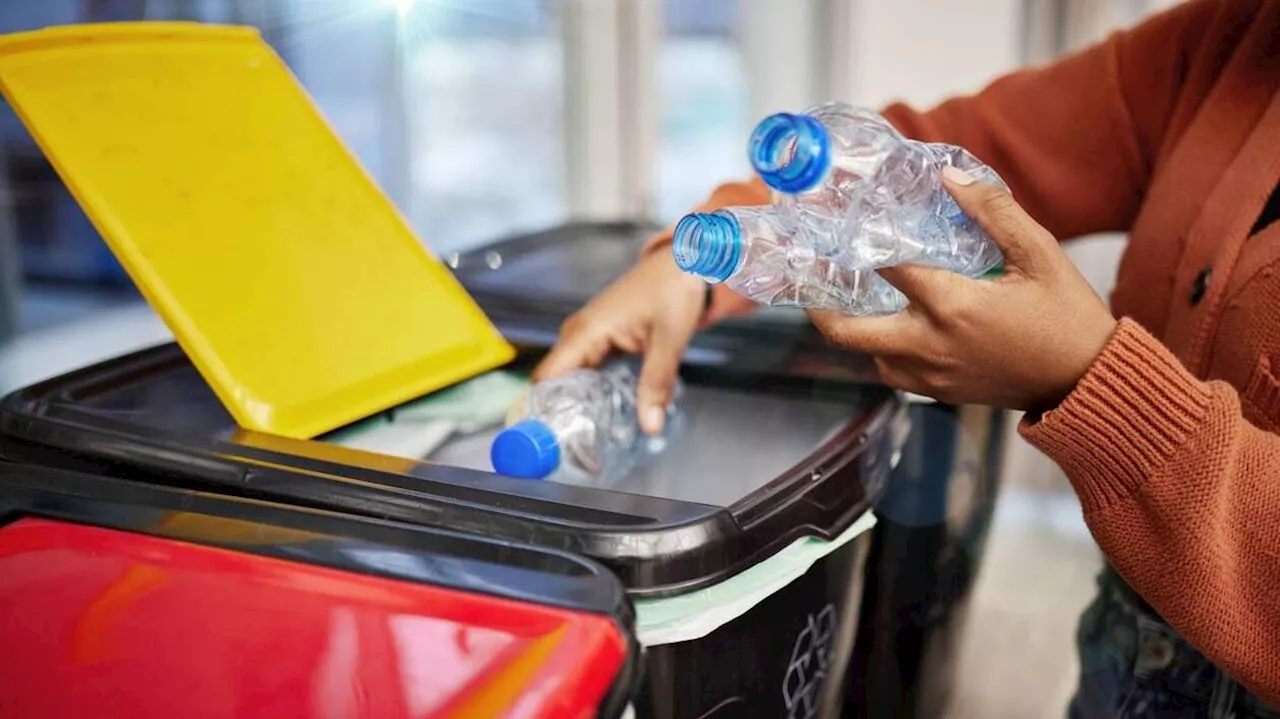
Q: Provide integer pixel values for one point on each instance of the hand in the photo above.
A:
(1022, 341)
(654, 309)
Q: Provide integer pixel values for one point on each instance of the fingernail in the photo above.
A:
(958, 176)
(652, 418)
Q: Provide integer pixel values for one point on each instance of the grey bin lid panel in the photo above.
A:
(733, 440)
(729, 444)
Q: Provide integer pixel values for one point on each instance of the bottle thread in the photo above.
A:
(709, 245)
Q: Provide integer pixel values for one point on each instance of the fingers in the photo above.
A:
(657, 378)
(1025, 243)
(894, 377)
(924, 286)
(886, 334)
(575, 349)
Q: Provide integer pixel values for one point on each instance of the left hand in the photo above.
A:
(1021, 341)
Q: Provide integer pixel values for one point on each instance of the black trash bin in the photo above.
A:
(926, 550)
(933, 520)
(132, 599)
(786, 450)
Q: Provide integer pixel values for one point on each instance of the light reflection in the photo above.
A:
(402, 7)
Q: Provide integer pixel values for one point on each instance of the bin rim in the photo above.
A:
(658, 547)
(133, 506)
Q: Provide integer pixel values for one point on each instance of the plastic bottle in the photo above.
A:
(869, 197)
(757, 252)
(581, 428)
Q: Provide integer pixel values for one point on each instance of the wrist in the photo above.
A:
(1090, 347)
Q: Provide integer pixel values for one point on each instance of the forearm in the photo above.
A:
(722, 301)
(1182, 495)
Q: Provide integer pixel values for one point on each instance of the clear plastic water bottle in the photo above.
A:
(869, 197)
(581, 428)
(758, 253)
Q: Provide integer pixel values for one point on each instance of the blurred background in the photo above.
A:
(484, 118)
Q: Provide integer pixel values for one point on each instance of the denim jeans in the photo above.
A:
(1133, 665)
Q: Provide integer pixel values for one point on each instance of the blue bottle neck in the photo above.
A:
(710, 245)
(791, 153)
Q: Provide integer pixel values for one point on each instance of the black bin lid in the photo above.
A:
(814, 454)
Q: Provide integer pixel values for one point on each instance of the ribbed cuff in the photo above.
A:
(1126, 419)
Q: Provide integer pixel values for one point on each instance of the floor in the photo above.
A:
(1016, 659)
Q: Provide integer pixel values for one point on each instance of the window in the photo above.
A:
(706, 114)
(455, 106)
(484, 98)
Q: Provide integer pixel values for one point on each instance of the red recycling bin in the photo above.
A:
(125, 600)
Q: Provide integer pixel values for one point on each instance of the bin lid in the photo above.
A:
(289, 278)
(128, 600)
(811, 456)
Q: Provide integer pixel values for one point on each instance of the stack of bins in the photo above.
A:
(241, 217)
(126, 599)
(152, 413)
(742, 546)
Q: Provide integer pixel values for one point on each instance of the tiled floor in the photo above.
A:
(1016, 659)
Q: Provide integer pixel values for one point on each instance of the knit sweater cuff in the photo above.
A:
(1126, 419)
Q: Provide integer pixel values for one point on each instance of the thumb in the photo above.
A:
(657, 379)
(1026, 245)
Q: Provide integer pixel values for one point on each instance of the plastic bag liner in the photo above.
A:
(697, 614)
(658, 621)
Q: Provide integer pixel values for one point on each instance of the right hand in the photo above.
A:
(652, 310)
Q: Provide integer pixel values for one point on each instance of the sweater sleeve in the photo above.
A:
(1182, 495)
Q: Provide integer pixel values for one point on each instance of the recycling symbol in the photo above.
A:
(800, 688)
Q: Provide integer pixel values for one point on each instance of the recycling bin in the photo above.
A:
(742, 546)
(306, 308)
(926, 550)
(129, 599)
(151, 414)
(933, 519)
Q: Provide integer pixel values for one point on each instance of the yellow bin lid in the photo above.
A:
(285, 273)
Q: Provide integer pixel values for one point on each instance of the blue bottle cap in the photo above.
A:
(527, 449)
(791, 153)
(709, 245)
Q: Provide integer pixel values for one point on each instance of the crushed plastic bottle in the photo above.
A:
(869, 197)
(581, 429)
(757, 252)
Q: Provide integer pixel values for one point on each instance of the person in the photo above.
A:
(1163, 410)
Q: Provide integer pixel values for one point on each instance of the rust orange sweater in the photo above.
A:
(1170, 132)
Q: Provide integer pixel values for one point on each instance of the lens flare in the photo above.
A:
(402, 7)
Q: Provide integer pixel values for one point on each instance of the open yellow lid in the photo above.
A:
(285, 273)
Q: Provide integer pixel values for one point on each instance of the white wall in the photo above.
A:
(925, 50)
